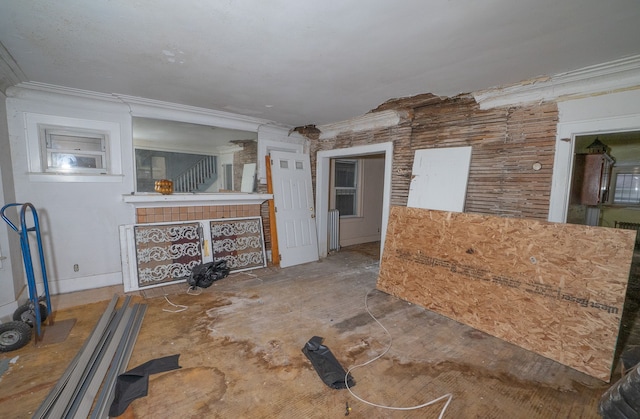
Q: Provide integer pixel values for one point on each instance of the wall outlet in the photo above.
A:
(76, 267)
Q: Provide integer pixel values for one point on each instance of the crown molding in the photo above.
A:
(158, 109)
(42, 93)
(136, 106)
(373, 120)
(10, 72)
(602, 78)
(32, 87)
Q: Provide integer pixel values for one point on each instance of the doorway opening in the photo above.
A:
(374, 157)
(356, 189)
(605, 184)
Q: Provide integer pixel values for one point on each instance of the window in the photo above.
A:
(189, 172)
(69, 150)
(197, 158)
(627, 190)
(346, 187)
(62, 149)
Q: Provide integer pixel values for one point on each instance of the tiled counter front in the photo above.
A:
(189, 213)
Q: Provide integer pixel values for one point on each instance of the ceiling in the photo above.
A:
(307, 62)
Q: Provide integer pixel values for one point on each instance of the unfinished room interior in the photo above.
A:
(373, 209)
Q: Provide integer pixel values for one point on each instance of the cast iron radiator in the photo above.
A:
(333, 224)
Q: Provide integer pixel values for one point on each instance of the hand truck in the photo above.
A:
(34, 312)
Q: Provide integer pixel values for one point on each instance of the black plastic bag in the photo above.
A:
(206, 274)
(134, 383)
(326, 365)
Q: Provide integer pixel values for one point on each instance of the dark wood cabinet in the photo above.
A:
(592, 175)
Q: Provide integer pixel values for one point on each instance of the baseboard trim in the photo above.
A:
(360, 240)
(85, 283)
(7, 310)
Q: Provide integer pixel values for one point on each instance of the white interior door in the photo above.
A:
(439, 178)
(295, 212)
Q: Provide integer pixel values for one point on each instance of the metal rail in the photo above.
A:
(108, 349)
(118, 365)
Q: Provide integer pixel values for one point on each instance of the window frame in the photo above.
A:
(100, 156)
(357, 188)
(622, 170)
(36, 173)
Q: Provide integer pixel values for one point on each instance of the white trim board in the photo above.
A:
(607, 77)
(563, 160)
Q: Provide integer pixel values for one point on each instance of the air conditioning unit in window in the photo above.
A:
(68, 150)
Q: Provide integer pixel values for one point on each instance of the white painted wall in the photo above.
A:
(80, 216)
(365, 229)
(79, 220)
(612, 112)
(11, 273)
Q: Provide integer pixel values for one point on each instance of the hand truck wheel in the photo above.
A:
(14, 335)
(27, 314)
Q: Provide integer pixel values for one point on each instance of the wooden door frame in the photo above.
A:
(323, 171)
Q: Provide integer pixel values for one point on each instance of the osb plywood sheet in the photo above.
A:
(555, 289)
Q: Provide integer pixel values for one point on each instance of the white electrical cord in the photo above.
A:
(447, 396)
(178, 306)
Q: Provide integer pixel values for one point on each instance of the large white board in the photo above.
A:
(439, 178)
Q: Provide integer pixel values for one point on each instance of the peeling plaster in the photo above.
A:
(172, 56)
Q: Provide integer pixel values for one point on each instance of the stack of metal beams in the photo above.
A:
(95, 368)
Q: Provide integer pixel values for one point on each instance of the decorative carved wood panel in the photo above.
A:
(239, 241)
(166, 252)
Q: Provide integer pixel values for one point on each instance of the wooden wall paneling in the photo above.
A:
(555, 289)
(400, 135)
(506, 143)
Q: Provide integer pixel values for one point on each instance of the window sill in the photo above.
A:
(152, 200)
(73, 177)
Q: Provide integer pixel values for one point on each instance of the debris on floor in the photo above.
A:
(4, 366)
(134, 383)
(326, 364)
(203, 275)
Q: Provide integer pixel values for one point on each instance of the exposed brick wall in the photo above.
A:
(506, 142)
(190, 213)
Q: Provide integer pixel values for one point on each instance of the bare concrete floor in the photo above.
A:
(240, 347)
